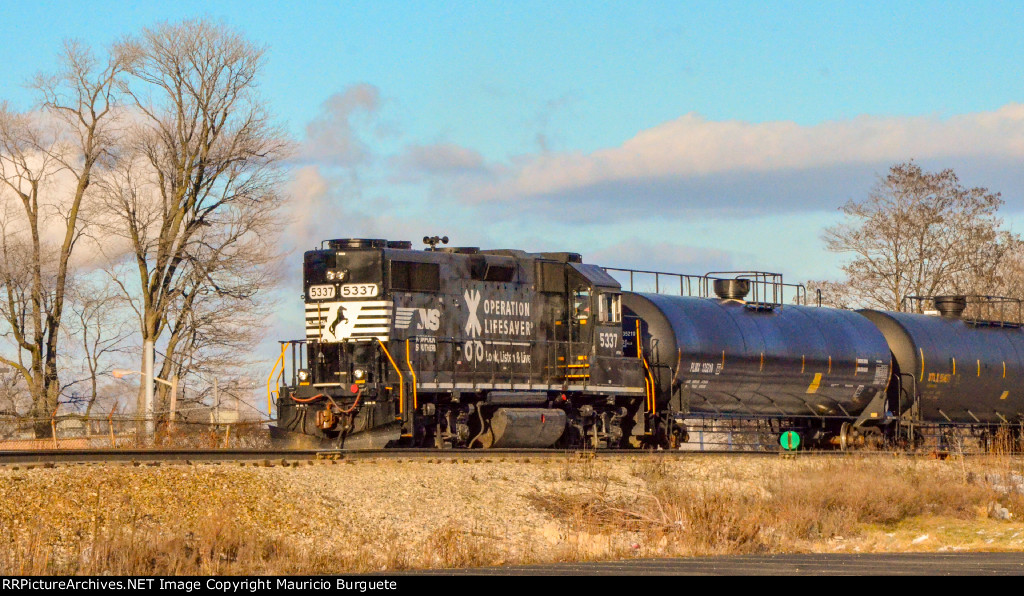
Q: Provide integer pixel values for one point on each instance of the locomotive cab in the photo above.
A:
(593, 331)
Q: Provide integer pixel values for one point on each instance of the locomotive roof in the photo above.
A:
(596, 275)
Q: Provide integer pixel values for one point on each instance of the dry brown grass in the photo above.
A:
(229, 520)
(216, 547)
(207, 436)
(792, 508)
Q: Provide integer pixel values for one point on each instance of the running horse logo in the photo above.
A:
(340, 318)
(344, 323)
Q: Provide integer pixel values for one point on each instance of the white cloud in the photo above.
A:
(331, 137)
(418, 162)
(694, 163)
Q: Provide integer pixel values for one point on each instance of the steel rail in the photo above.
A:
(271, 457)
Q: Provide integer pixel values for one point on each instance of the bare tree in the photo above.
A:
(48, 161)
(1009, 274)
(919, 233)
(101, 332)
(216, 320)
(200, 177)
(835, 294)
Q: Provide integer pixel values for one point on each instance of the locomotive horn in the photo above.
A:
(433, 241)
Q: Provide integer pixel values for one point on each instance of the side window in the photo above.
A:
(500, 273)
(581, 305)
(610, 308)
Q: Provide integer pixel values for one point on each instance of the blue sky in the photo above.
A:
(472, 70)
(670, 135)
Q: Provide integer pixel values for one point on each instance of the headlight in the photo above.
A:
(304, 375)
(330, 275)
(358, 373)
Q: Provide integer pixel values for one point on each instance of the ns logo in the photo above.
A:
(429, 318)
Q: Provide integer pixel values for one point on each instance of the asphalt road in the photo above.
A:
(802, 564)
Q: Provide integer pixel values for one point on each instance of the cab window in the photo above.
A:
(581, 305)
(610, 308)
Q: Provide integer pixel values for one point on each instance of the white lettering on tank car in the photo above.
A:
(881, 373)
(706, 368)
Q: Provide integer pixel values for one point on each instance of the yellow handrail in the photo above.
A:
(648, 387)
(651, 403)
(270, 377)
(415, 402)
(401, 378)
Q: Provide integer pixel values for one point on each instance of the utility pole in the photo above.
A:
(216, 402)
(148, 381)
(174, 401)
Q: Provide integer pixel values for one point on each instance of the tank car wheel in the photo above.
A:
(907, 438)
(845, 441)
(679, 435)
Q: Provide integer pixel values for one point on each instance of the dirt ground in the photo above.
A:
(334, 517)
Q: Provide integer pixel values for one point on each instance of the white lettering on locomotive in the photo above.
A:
(429, 318)
(507, 327)
(609, 340)
(500, 318)
(426, 344)
(507, 308)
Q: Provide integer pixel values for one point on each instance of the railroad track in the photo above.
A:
(291, 456)
(286, 457)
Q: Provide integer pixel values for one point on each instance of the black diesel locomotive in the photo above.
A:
(461, 347)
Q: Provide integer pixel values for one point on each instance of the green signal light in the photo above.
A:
(790, 440)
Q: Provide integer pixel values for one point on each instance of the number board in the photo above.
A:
(358, 290)
(321, 292)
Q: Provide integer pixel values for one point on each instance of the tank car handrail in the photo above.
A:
(685, 280)
(761, 281)
(986, 303)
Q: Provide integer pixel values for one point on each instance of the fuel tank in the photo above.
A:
(962, 371)
(524, 427)
(724, 356)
